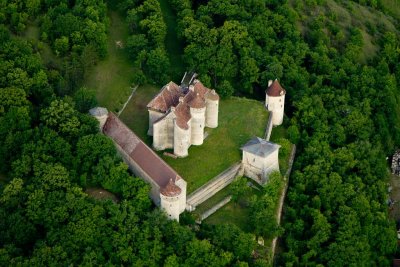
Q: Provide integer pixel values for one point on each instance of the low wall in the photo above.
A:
(268, 129)
(212, 187)
(219, 205)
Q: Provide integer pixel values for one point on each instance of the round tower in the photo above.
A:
(170, 200)
(181, 138)
(275, 101)
(212, 103)
(101, 114)
(198, 112)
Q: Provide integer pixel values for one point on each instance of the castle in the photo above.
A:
(178, 115)
(260, 156)
(168, 189)
(275, 101)
(259, 159)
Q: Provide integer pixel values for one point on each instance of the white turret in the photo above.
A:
(197, 111)
(275, 101)
(181, 139)
(212, 102)
(170, 200)
(101, 114)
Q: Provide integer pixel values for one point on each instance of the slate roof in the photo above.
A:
(139, 152)
(260, 147)
(275, 89)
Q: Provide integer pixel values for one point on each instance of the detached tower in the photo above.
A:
(275, 101)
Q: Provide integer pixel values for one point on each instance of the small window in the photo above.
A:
(281, 105)
(280, 99)
(200, 125)
(254, 160)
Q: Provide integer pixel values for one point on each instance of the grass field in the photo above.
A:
(111, 78)
(235, 213)
(172, 44)
(135, 114)
(239, 120)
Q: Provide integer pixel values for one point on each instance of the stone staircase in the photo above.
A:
(212, 187)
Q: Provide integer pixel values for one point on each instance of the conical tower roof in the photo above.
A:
(275, 89)
(171, 189)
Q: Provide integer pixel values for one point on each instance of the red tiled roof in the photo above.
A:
(194, 97)
(167, 97)
(197, 101)
(275, 89)
(171, 189)
(200, 88)
(138, 151)
(183, 116)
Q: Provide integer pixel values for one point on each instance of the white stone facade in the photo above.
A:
(168, 189)
(178, 115)
(259, 159)
(275, 101)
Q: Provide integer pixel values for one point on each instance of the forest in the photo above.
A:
(342, 112)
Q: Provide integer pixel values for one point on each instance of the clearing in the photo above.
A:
(239, 120)
(111, 78)
(173, 45)
(101, 194)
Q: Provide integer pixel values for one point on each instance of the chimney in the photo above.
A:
(269, 83)
(180, 99)
(172, 109)
(191, 88)
(213, 91)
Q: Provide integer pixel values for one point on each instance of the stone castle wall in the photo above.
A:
(212, 113)
(197, 125)
(258, 168)
(276, 104)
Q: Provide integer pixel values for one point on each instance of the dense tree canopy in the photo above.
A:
(342, 100)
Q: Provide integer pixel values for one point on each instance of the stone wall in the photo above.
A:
(277, 105)
(212, 187)
(258, 168)
(153, 116)
(197, 125)
(171, 205)
(163, 133)
(212, 113)
(181, 141)
(134, 167)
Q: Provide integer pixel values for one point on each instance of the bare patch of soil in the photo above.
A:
(101, 194)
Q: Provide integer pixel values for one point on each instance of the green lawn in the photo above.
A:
(111, 78)
(135, 114)
(172, 44)
(235, 213)
(239, 120)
